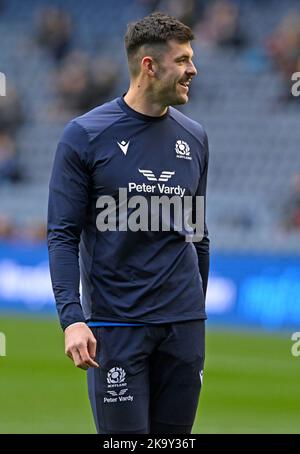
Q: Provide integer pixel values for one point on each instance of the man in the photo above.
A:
(140, 328)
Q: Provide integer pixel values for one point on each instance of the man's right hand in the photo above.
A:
(80, 345)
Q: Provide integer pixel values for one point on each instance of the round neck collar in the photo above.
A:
(124, 106)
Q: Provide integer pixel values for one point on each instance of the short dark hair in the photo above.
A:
(154, 29)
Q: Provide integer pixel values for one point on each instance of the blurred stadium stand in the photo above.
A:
(254, 138)
(239, 96)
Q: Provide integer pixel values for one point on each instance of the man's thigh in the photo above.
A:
(176, 370)
(119, 388)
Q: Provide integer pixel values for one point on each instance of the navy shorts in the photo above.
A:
(148, 375)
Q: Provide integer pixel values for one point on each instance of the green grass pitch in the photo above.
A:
(251, 382)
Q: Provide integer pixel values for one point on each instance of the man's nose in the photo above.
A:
(192, 69)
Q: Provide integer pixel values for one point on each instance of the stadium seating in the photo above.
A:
(254, 137)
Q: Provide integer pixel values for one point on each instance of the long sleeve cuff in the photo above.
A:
(71, 313)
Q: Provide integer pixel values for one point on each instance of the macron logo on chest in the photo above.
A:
(124, 146)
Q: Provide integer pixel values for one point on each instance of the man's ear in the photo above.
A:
(149, 66)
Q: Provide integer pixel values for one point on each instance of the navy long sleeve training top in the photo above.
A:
(127, 276)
